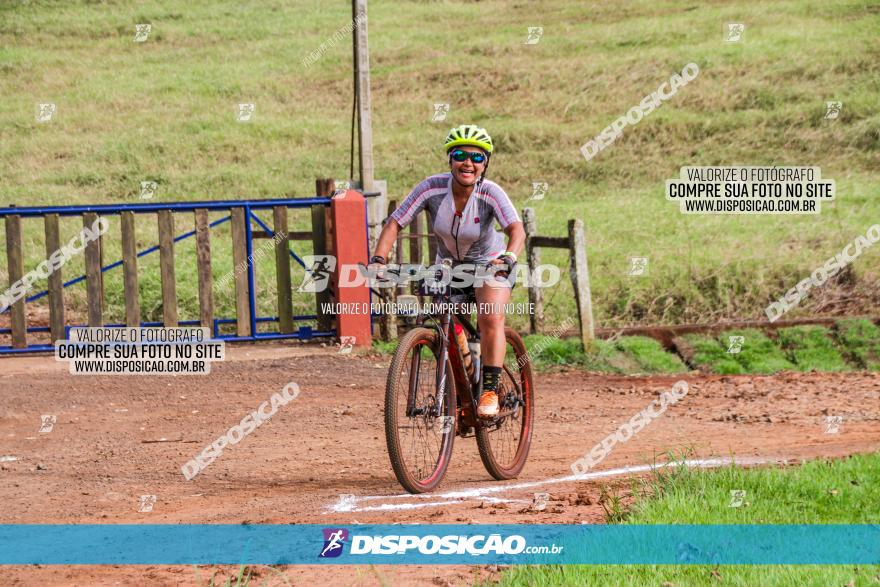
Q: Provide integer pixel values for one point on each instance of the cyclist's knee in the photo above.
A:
(491, 320)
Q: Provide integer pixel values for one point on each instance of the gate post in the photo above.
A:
(580, 279)
(349, 213)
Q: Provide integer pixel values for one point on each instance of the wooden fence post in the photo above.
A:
(166, 268)
(376, 208)
(533, 256)
(56, 283)
(16, 272)
(580, 279)
(129, 270)
(282, 270)
(239, 272)
(388, 322)
(398, 258)
(322, 245)
(206, 277)
(93, 274)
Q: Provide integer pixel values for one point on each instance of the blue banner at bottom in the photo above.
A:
(507, 544)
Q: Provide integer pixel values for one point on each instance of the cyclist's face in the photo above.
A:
(467, 172)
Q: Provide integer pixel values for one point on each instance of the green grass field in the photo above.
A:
(862, 341)
(711, 356)
(819, 492)
(852, 344)
(164, 110)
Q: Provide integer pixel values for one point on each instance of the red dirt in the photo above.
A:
(93, 466)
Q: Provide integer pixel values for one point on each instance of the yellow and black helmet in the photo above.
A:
(470, 135)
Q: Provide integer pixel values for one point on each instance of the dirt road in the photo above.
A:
(118, 438)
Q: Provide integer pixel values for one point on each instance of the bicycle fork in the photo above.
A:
(442, 373)
(445, 330)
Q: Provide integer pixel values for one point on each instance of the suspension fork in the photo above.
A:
(414, 371)
(443, 361)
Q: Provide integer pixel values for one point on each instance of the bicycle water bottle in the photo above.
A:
(474, 346)
(464, 347)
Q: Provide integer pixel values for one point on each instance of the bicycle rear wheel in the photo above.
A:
(504, 443)
(419, 442)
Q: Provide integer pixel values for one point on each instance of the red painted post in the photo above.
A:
(349, 212)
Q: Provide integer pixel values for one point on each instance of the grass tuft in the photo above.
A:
(861, 339)
(811, 348)
(843, 491)
(650, 355)
(759, 353)
(707, 355)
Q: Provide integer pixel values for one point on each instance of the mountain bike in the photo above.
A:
(431, 397)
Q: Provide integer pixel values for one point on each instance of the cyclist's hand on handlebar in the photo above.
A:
(503, 266)
(377, 266)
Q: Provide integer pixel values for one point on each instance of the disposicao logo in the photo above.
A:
(334, 540)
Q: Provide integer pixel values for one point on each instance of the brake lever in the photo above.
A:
(382, 293)
(387, 268)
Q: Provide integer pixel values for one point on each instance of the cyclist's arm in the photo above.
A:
(387, 238)
(402, 216)
(506, 215)
(516, 237)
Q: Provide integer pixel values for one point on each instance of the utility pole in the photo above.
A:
(362, 89)
(377, 207)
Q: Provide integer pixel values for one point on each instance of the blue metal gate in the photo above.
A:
(14, 214)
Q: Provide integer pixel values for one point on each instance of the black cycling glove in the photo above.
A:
(507, 268)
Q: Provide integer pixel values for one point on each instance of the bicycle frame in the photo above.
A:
(451, 362)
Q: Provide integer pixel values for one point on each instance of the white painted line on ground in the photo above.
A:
(482, 493)
(412, 506)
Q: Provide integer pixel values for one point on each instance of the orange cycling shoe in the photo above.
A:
(488, 407)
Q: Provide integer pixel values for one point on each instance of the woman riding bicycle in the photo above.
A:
(462, 206)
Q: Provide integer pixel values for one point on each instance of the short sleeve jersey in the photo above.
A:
(466, 237)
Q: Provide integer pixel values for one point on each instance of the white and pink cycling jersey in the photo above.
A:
(469, 237)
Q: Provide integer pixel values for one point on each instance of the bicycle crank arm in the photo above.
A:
(495, 420)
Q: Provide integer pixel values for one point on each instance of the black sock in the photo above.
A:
(491, 377)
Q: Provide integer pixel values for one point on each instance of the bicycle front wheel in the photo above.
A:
(419, 440)
(504, 443)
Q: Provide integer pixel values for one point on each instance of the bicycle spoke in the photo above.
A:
(504, 438)
(421, 442)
